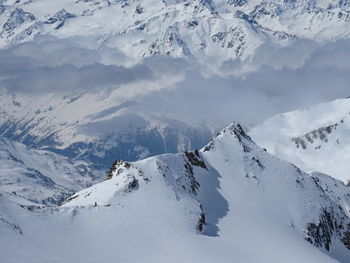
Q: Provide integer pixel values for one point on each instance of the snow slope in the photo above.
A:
(231, 201)
(41, 177)
(314, 138)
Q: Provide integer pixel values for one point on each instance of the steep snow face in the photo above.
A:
(233, 190)
(314, 138)
(41, 177)
(212, 32)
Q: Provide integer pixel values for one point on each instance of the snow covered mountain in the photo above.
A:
(229, 201)
(229, 177)
(41, 177)
(315, 138)
(212, 32)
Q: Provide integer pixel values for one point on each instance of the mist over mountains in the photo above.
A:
(92, 56)
(112, 116)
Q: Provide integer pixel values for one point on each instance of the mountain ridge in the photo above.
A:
(209, 31)
(233, 163)
(314, 138)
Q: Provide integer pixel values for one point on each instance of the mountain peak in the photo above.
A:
(233, 130)
(230, 173)
(236, 129)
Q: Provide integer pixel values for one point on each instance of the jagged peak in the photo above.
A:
(233, 130)
(117, 167)
(237, 129)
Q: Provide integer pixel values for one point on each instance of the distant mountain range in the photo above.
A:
(96, 126)
(41, 177)
(212, 32)
(99, 133)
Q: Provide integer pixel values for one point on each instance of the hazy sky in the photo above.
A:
(282, 79)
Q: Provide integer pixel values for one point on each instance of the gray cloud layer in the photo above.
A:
(56, 66)
(283, 79)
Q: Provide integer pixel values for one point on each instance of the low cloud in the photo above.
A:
(57, 66)
(279, 79)
(282, 79)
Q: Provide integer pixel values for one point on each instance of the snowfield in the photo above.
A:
(231, 201)
(315, 138)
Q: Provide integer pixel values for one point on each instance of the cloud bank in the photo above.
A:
(279, 79)
(57, 66)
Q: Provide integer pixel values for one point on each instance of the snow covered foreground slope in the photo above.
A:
(314, 138)
(228, 202)
(230, 197)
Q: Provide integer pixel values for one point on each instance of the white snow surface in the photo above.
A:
(315, 138)
(257, 209)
